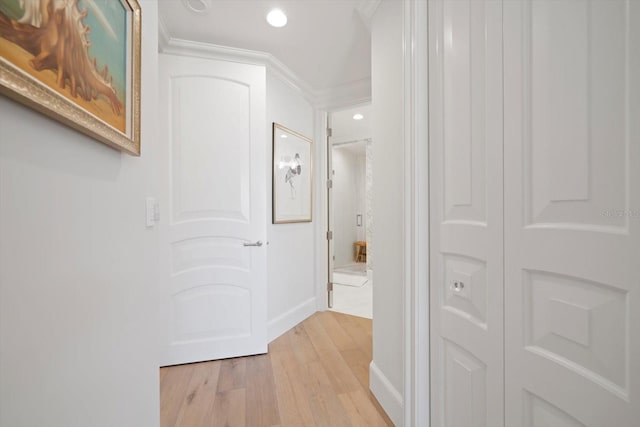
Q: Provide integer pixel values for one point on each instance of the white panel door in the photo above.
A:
(215, 296)
(572, 213)
(465, 85)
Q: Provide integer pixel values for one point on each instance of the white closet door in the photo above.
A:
(572, 213)
(466, 213)
(215, 300)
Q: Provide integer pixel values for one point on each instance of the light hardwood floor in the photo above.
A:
(316, 374)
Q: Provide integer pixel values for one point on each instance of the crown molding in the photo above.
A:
(344, 95)
(182, 47)
(357, 92)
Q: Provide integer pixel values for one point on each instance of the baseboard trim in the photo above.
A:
(289, 319)
(390, 399)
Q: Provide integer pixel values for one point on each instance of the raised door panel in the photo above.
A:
(571, 173)
(201, 252)
(463, 72)
(465, 385)
(579, 324)
(540, 413)
(467, 298)
(211, 149)
(575, 123)
(210, 311)
(466, 212)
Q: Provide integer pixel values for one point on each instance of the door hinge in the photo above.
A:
(329, 132)
(329, 286)
(329, 184)
(329, 235)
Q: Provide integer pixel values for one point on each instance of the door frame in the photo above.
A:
(416, 221)
(330, 213)
(415, 359)
(330, 217)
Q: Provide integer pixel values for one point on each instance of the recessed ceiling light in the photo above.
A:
(358, 116)
(277, 18)
(197, 6)
(283, 136)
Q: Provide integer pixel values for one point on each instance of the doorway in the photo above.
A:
(350, 219)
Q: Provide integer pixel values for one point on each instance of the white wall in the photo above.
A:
(388, 202)
(291, 252)
(78, 301)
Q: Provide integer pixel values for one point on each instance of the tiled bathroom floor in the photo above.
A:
(353, 300)
(357, 268)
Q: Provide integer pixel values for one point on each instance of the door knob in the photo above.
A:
(457, 286)
(258, 243)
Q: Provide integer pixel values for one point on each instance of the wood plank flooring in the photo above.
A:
(316, 374)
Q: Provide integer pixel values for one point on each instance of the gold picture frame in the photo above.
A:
(292, 174)
(90, 82)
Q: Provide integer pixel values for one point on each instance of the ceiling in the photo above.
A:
(346, 129)
(326, 43)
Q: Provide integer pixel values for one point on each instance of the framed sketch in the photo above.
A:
(77, 61)
(292, 176)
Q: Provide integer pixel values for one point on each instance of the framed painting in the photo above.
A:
(292, 176)
(77, 61)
